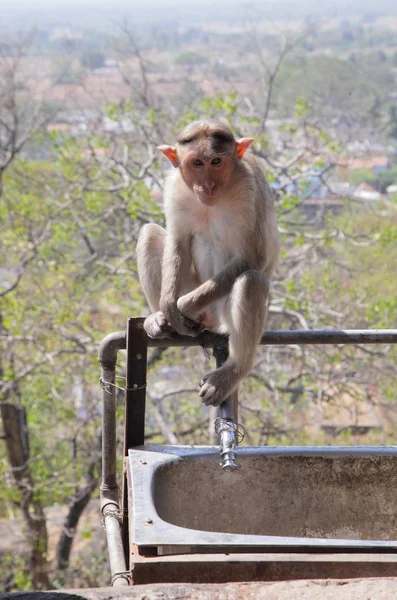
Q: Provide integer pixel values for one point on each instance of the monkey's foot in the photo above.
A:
(157, 326)
(186, 306)
(218, 385)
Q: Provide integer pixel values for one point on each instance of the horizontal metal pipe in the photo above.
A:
(269, 338)
(333, 336)
(277, 338)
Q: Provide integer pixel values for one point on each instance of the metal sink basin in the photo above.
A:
(331, 497)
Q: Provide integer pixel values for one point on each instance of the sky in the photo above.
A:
(22, 13)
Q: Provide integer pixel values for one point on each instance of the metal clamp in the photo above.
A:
(123, 575)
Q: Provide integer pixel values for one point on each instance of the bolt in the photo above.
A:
(139, 356)
(149, 521)
(135, 385)
(143, 462)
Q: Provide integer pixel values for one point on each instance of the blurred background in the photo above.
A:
(88, 90)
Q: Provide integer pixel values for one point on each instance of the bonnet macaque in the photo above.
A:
(210, 268)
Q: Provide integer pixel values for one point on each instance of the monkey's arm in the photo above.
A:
(175, 268)
(213, 289)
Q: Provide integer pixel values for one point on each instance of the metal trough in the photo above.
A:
(330, 497)
(182, 518)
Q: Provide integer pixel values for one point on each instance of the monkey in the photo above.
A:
(211, 266)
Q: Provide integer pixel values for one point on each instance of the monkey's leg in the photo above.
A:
(150, 250)
(245, 313)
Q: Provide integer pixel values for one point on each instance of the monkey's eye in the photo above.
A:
(197, 162)
(216, 161)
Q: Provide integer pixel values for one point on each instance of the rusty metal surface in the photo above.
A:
(134, 416)
(203, 569)
(134, 408)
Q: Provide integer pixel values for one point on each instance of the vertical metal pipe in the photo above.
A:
(134, 409)
(221, 354)
(225, 425)
(108, 379)
(110, 509)
(111, 522)
(213, 414)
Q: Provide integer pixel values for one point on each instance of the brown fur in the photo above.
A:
(211, 267)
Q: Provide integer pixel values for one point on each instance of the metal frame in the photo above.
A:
(116, 520)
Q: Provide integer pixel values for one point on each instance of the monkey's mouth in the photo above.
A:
(206, 197)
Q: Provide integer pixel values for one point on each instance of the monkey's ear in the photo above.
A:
(242, 145)
(170, 153)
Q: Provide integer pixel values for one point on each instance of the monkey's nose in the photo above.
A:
(208, 186)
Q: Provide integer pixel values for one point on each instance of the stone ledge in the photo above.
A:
(325, 589)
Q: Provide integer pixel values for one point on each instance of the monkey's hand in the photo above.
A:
(157, 326)
(180, 323)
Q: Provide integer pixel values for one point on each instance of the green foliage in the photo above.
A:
(69, 229)
(332, 85)
(388, 177)
(357, 176)
(52, 223)
(302, 109)
(221, 104)
(380, 180)
(190, 59)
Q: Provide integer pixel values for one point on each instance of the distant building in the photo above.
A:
(391, 192)
(366, 193)
(376, 164)
(65, 33)
(368, 146)
(58, 127)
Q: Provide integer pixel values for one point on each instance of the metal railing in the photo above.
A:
(135, 340)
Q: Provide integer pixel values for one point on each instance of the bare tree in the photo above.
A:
(16, 437)
(20, 117)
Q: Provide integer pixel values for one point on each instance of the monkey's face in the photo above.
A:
(207, 155)
(207, 174)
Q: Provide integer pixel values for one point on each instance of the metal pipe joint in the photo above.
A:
(227, 431)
